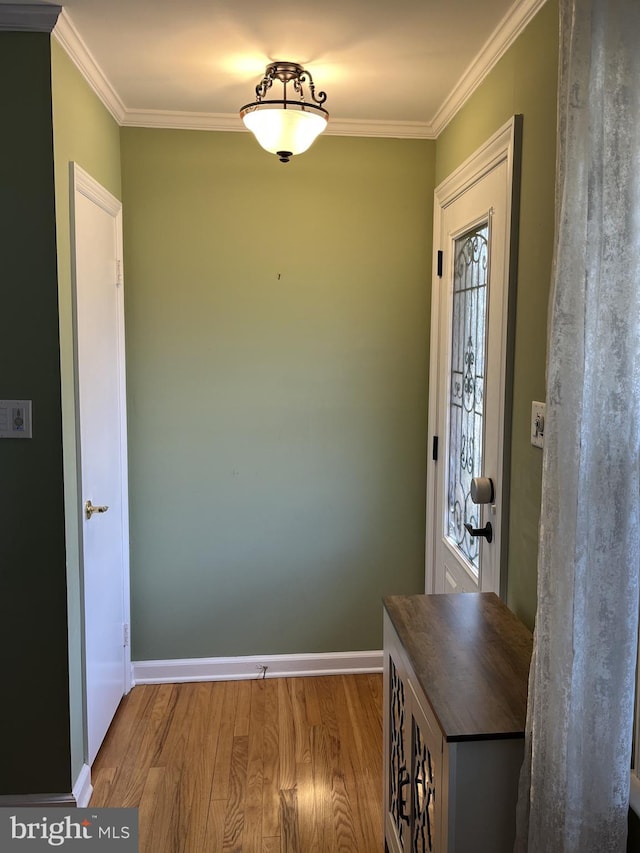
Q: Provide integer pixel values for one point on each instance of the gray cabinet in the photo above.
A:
(455, 686)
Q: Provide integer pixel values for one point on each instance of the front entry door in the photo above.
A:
(465, 500)
(100, 350)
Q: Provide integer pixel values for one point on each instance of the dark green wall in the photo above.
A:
(34, 711)
(633, 844)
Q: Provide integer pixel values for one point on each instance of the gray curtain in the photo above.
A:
(575, 781)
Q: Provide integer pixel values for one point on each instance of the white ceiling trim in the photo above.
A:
(507, 31)
(500, 40)
(385, 129)
(29, 18)
(233, 122)
(175, 120)
(71, 40)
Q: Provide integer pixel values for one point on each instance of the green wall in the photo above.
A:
(277, 339)
(277, 333)
(34, 712)
(523, 82)
(84, 132)
(277, 350)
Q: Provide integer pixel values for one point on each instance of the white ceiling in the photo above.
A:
(396, 68)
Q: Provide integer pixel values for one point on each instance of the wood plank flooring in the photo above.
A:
(282, 765)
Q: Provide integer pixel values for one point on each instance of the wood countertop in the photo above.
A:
(471, 656)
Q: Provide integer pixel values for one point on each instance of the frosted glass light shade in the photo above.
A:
(280, 130)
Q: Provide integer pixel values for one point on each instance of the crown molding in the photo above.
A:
(507, 31)
(500, 40)
(232, 122)
(71, 40)
(384, 129)
(28, 18)
(175, 120)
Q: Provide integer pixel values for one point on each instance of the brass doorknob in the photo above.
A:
(89, 509)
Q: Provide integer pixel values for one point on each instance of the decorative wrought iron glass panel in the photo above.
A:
(398, 775)
(424, 796)
(466, 393)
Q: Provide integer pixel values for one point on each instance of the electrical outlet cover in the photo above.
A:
(538, 414)
(15, 418)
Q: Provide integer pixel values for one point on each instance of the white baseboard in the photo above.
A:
(83, 789)
(251, 666)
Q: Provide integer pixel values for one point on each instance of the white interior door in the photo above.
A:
(101, 396)
(466, 512)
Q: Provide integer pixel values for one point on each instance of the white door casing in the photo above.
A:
(476, 203)
(99, 312)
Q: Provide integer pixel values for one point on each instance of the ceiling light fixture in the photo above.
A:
(282, 126)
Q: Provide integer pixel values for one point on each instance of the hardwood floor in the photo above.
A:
(282, 765)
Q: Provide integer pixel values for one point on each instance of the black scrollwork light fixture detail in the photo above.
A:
(282, 125)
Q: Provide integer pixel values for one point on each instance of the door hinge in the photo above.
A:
(125, 634)
(118, 272)
(434, 449)
(440, 260)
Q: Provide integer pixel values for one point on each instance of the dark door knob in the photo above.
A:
(486, 531)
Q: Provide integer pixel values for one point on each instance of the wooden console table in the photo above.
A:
(455, 694)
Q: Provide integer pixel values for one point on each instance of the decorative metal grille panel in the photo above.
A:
(466, 393)
(424, 796)
(398, 768)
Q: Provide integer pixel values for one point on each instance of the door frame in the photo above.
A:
(81, 182)
(504, 145)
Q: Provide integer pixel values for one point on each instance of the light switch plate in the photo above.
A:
(538, 414)
(15, 418)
